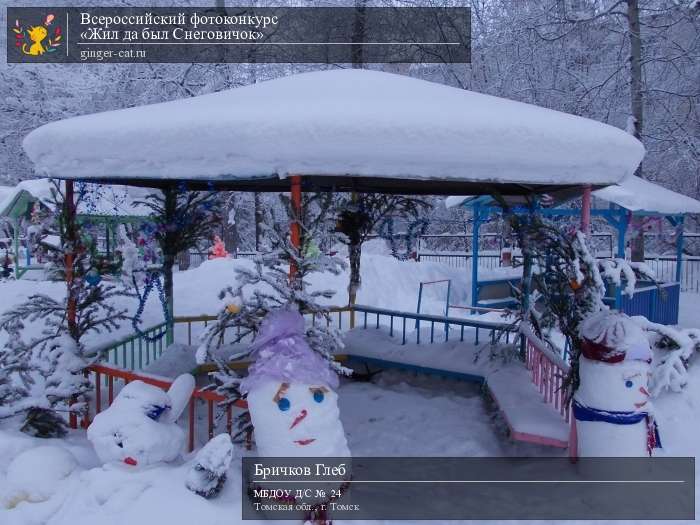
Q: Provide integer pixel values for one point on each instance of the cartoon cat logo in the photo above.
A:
(31, 40)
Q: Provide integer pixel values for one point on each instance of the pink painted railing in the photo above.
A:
(109, 375)
(548, 372)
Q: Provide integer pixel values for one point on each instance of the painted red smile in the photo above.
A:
(304, 441)
(130, 461)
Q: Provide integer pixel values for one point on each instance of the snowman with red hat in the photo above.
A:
(611, 407)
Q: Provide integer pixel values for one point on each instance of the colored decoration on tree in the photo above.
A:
(140, 428)
(152, 280)
(93, 277)
(218, 250)
(613, 412)
(414, 230)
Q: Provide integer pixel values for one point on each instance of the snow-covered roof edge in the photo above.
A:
(633, 194)
(640, 195)
(343, 124)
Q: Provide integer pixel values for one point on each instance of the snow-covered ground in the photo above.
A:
(396, 414)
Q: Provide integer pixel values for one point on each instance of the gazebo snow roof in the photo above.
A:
(639, 195)
(633, 194)
(341, 129)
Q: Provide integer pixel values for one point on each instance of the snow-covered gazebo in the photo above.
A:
(343, 131)
(339, 130)
(112, 206)
(617, 204)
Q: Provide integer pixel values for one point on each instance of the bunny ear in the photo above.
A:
(180, 393)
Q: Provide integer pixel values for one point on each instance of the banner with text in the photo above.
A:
(238, 34)
(468, 488)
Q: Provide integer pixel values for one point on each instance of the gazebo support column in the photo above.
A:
(622, 224)
(476, 225)
(295, 225)
(15, 238)
(71, 232)
(679, 223)
(586, 211)
(169, 255)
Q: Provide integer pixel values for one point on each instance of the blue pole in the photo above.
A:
(475, 261)
(447, 309)
(420, 296)
(475, 253)
(621, 234)
(679, 248)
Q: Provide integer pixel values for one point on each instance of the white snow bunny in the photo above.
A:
(139, 427)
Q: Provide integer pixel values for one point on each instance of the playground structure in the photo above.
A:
(619, 203)
(458, 143)
(106, 215)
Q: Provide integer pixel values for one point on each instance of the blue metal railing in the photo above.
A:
(395, 317)
(136, 352)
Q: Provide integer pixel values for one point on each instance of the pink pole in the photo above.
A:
(573, 441)
(586, 211)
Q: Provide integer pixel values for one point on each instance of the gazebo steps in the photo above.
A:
(528, 417)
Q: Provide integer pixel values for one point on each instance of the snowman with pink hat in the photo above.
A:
(611, 407)
(292, 401)
(291, 393)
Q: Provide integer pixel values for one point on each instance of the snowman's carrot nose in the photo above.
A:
(130, 461)
(644, 391)
(299, 418)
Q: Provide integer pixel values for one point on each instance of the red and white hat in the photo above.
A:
(612, 337)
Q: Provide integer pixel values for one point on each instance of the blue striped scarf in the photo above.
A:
(584, 413)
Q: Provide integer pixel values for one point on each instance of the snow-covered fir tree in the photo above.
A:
(361, 215)
(268, 286)
(182, 219)
(44, 358)
(563, 282)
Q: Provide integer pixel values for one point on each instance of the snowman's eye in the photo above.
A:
(318, 396)
(283, 404)
(629, 384)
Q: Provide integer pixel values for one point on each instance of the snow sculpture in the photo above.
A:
(207, 475)
(613, 413)
(139, 427)
(291, 393)
(36, 474)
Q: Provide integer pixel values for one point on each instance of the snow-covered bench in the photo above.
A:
(496, 293)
